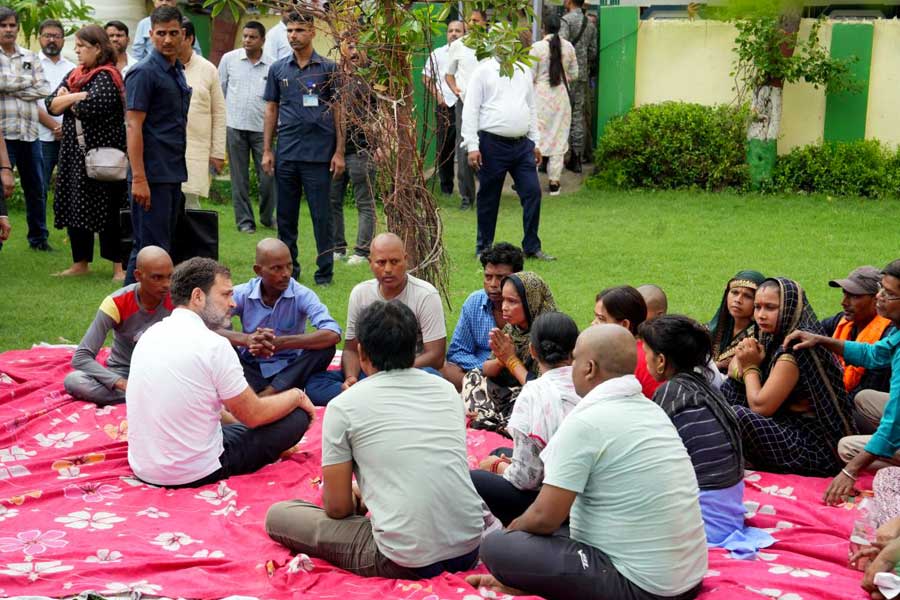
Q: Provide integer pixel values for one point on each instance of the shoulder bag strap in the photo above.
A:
(584, 21)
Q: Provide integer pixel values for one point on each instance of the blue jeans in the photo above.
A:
(500, 156)
(292, 178)
(324, 387)
(50, 152)
(26, 157)
(154, 227)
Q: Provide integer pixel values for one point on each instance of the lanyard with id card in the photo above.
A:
(310, 97)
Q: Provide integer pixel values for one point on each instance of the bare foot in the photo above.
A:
(118, 272)
(490, 582)
(74, 270)
(286, 455)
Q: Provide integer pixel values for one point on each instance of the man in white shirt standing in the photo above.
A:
(117, 32)
(277, 45)
(243, 75)
(461, 61)
(445, 100)
(52, 37)
(500, 131)
(183, 374)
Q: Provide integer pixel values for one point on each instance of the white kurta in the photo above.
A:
(205, 124)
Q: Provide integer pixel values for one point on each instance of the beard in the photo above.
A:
(52, 49)
(215, 319)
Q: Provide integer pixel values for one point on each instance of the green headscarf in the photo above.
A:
(537, 299)
(721, 328)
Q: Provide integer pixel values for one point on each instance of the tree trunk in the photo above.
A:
(765, 110)
(224, 29)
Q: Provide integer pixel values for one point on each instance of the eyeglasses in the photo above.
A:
(884, 295)
(52, 36)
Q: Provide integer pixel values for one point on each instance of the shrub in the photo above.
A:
(674, 145)
(860, 168)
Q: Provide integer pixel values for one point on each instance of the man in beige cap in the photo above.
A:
(860, 322)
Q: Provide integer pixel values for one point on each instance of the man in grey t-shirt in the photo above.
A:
(402, 433)
(128, 313)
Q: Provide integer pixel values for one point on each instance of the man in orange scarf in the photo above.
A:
(860, 322)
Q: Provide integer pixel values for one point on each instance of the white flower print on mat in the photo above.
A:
(221, 494)
(133, 589)
(7, 513)
(775, 593)
(753, 508)
(13, 471)
(14, 453)
(34, 570)
(33, 541)
(779, 526)
(796, 571)
(301, 562)
(84, 519)
(61, 440)
(207, 554)
(151, 512)
(229, 508)
(774, 490)
(105, 555)
(174, 540)
(92, 492)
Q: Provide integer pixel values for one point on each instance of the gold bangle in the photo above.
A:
(512, 363)
(752, 370)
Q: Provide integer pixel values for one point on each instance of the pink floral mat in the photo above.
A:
(73, 517)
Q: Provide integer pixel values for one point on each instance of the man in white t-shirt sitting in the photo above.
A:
(402, 433)
(618, 470)
(388, 261)
(183, 375)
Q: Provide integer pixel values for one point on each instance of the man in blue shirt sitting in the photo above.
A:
(300, 101)
(880, 449)
(480, 313)
(157, 98)
(276, 352)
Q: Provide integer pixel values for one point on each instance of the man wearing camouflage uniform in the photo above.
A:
(578, 29)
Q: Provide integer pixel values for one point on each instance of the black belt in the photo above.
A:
(503, 139)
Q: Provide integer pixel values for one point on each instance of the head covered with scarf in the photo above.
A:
(820, 371)
(721, 328)
(537, 299)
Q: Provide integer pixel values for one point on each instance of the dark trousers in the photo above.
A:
(445, 120)
(241, 145)
(556, 567)
(155, 227)
(500, 156)
(504, 500)
(295, 374)
(465, 176)
(82, 241)
(248, 450)
(50, 154)
(292, 179)
(26, 157)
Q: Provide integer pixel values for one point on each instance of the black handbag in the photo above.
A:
(196, 234)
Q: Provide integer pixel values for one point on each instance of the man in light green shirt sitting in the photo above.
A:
(618, 470)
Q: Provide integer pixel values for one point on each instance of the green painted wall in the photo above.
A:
(845, 113)
(202, 27)
(618, 62)
(424, 103)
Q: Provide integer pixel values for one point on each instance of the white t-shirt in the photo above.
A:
(54, 72)
(405, 432)
(461, 61)
(419, 295)
(180, 373)
(637, 494)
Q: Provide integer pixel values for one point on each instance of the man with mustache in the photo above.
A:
(184, 375)
(275, 349)
(157, 102)
(52, 38)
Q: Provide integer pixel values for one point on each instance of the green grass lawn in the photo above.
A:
(688, 243)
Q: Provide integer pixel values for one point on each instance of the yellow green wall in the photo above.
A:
(691, 61)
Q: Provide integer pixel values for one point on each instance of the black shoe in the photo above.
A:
(465, 205)
(267, 224)
(323, 284)
(540, 255)
(554, 188)
(447, 191)
(42, 246)
(543, 167)
(574, 164)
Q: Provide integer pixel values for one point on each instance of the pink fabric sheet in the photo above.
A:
(73, 517)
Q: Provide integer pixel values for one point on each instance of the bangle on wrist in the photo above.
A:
(512, 363)
(4, 167)
(756, 370)
(848, 474)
